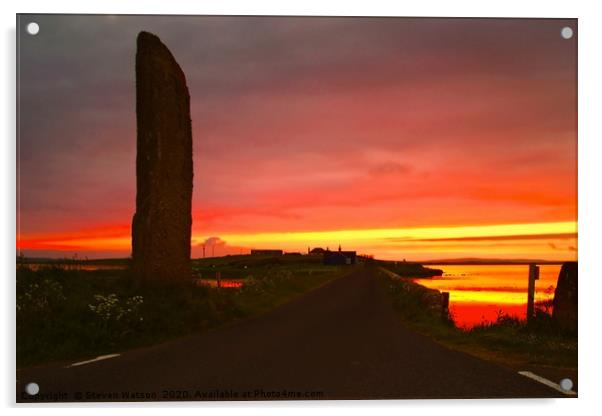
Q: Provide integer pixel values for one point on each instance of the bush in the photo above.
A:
(117, 318)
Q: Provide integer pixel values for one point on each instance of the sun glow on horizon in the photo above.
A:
(381, 242)
(408, 234)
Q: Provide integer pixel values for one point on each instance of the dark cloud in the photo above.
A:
(560, 236)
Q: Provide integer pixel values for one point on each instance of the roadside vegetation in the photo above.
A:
(65, 311)
(508, 340)
(408, 269)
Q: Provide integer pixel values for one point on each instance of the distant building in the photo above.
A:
(340, 257)
(317, 250)
(260, 252)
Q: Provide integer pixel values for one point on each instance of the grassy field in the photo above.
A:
(66, 311)
(508, 341)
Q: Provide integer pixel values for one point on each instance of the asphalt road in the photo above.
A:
(342, 341)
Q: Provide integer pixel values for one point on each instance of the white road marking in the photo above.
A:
(99, 358)
(547, 382)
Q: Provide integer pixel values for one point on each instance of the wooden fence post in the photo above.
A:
(445, 305)
(533, 276)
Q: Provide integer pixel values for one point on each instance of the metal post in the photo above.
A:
(533, 276)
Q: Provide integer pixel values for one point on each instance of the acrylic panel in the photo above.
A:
(295, 208)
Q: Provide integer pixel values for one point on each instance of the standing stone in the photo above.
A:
(162, 222)
(565, 297)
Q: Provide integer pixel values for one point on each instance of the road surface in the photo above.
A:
(341, 341)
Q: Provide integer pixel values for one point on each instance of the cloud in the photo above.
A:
(390, 168)
(302, 122)
(216, 247)
(556, 247)
(213, 241)
(498, 238)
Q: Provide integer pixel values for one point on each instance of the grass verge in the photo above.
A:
(508, 341)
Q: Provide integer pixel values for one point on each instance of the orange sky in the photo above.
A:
(307, 132)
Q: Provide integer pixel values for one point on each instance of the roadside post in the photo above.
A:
(533, 276)
(218, 278)
(445, 305)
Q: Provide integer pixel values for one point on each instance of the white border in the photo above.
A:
(590, 209)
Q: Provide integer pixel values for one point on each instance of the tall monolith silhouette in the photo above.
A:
(162, 222)
(565, 305)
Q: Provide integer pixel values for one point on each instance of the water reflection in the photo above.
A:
(225, 283)
(479, 293)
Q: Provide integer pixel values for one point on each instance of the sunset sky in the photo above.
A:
(401, 138)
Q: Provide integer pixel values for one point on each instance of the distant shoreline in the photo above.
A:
(443, 262)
